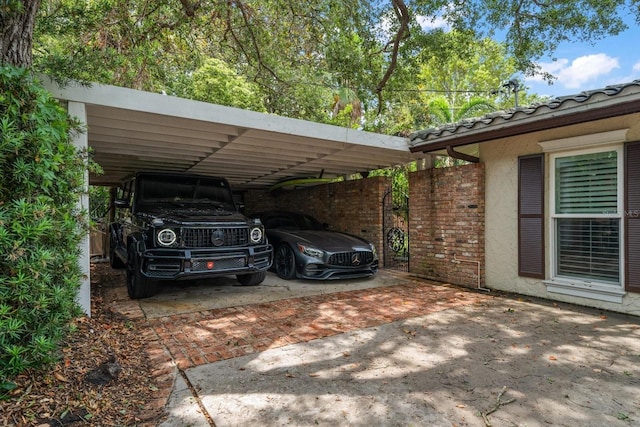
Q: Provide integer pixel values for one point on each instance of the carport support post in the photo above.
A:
(80, 140)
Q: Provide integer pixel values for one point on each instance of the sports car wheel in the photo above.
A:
(285, 262)
(138, 286)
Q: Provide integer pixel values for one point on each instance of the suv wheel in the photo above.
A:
(285, 262)
(114, 261)
(138, 286)
(251, 279)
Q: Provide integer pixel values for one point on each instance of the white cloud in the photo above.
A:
(636, 66)
(582, 70)
(432, 22)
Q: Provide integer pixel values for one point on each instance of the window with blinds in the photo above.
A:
(587, 217)
(587, 183)
(589, 248)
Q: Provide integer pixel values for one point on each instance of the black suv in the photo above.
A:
(173, 226)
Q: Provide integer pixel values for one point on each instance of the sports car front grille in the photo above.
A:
(204, 237)
(351, 259)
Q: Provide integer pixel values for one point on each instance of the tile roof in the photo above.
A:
(609, 101)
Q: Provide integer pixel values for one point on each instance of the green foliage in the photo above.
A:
(99, 200)
(127, 43)
(5, 388)
(460, 66)
(442, 112)
(399, 180)
(217, 83)
(41, 179)
(344, 117)
(298, 53)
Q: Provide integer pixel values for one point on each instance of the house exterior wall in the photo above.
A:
(446, 224)
(501, 161)
(353, 206)
(501, 218)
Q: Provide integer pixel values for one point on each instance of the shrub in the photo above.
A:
(41, 225)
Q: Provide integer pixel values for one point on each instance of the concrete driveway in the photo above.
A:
(188, 297)
(393, 351)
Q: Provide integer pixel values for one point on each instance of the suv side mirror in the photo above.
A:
(122, 204)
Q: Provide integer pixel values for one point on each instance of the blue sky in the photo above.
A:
(584, 66)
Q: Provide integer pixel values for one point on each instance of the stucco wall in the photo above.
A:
(350, 206)
(501, 226)
(501, 217)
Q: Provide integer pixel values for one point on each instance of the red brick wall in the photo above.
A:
(446, 224)
(350, 206)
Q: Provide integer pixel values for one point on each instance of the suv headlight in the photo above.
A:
(166, 237)
(256, 234)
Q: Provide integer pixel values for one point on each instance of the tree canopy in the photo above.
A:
(300, 54)
(217, 83)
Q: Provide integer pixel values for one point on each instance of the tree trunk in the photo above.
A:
(17, 19)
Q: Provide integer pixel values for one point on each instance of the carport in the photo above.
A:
(130, 131)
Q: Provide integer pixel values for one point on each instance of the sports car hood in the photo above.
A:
(328, 240)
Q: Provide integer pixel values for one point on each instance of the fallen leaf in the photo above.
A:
(461, 406)
(60, 377)
(552, 358)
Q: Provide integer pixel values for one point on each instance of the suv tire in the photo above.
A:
(138, 286)
(251, 279)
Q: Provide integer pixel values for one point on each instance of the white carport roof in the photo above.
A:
(131, 130)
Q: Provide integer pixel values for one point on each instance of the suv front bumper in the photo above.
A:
(176, 264)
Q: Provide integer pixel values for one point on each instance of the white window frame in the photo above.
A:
(593, 289)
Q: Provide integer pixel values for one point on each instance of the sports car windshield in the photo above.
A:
(292, 222)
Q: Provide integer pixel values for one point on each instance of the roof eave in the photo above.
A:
(549, 120)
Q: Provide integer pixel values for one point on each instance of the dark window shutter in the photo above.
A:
(531, 216)
(632, 216)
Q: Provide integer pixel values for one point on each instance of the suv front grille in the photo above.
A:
(208, 237)
(351, 259)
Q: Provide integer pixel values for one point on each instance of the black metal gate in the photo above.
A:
(395, 224)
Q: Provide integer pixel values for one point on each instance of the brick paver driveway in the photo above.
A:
(559, 364)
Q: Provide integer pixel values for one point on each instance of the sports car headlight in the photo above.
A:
(310, 251)
(166, 237)
(256, 235)
(373, 249)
